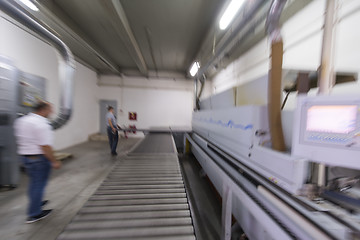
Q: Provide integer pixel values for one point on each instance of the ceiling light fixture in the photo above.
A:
(30, 5)
(230, 13)
(194, 68)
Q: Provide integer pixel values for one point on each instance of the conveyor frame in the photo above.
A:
(263, 210)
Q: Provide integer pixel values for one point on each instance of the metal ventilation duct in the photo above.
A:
(274, 96)
(66, 68)
(253, 8)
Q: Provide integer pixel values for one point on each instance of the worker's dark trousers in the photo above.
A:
(38, 170)
(113, 140)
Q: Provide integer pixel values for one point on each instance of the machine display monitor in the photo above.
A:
(331, 118)
(327, 130)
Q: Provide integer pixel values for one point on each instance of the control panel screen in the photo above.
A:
(327, 130)
(331, 118)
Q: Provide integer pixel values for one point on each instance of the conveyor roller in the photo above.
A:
(143, 197)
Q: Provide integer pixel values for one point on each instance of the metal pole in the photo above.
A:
(195, 93)
(226, 213)
(326, 78)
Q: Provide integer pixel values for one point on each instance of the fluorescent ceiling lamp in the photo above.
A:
(229, 13)
(30, 5)
(194, 68)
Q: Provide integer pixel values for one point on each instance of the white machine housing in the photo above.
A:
(232, 128)
(242, 133)
(327, 130)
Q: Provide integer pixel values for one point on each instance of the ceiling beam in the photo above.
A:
(53, 18)
(123, 29)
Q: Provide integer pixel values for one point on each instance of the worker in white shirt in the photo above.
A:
(34, 137)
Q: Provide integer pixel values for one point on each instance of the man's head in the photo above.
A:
(110, 109)
(43, 108)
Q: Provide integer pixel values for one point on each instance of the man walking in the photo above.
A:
(112, 128)
(34, 137)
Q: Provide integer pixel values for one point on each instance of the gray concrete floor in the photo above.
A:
(71, 186)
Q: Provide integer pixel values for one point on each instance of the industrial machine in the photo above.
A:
(270, 193)
(19, 92)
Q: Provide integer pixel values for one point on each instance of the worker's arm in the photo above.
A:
(111, 125)
(49, 154)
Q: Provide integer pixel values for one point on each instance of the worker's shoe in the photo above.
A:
(43, 203)
(42, 215)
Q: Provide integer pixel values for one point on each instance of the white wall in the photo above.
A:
(252, 65)
(158, 103)
(31, 55)
(302, 37)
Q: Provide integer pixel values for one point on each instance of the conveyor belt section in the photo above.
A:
(142, 198)
(156, 143)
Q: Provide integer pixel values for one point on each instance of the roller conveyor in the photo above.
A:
(143, 197)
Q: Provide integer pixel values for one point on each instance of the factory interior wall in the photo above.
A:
(31, 55)
(157, 103)
(302, 37)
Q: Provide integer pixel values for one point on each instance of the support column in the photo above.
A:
(226, 213)
(327, 79)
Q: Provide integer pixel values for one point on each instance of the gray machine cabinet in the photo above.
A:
(9, 164)
(19, 92)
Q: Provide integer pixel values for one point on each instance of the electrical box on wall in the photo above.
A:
(133, 116)
(29, 95)
(31, 89)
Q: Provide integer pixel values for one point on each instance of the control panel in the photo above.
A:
(327, 130)
(331, 124)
